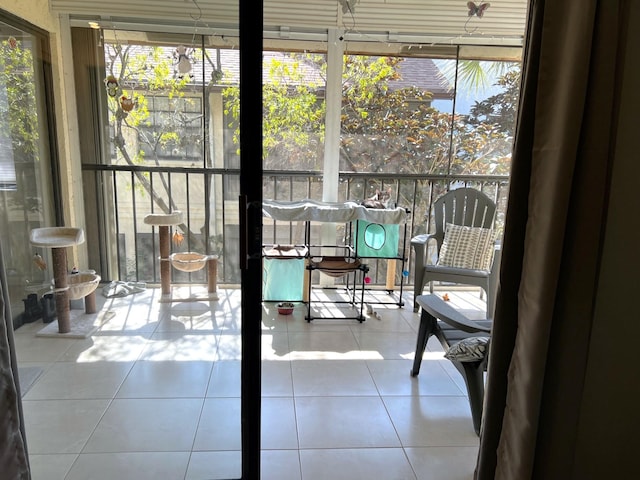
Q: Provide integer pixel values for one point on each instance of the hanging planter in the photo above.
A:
(127, 103)
(112, 85)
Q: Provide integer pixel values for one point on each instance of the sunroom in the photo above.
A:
(118, 116)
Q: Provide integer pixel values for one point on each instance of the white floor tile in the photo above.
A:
(344, 422)
(30, 348)
(60, 426)
(387, 345)
(166, 379)
(130, 466)
(225, 379)
(393, 377)
(180, 347)
(432, 421)
(280, 465)
(111, 348)
(276, 379)
(54, 466)
(219, 427)
(326, 345)
(443, 463)
(146, 425)
(356, 464)
(68, 380)
(332, 378)
(278, 430)
(214, 465)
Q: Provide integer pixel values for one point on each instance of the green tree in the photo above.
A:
(160, 122)
(19, 124)
(293, 120)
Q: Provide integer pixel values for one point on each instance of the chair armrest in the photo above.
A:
(419, 244)
(439, 309)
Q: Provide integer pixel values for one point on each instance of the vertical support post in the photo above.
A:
(59, 256)
(306, 284)
(165, 264)
(391, 275)
(212, 273)
(90, 303)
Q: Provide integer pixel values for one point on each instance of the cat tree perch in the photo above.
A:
(185, 262)
(66, 287)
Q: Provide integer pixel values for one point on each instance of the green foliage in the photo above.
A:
(146, 74)
(293, 114)
(383, 129)
(18, 109)
(19, 121)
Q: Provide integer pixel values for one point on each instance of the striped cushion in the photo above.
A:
(470, 349)
(467, 247)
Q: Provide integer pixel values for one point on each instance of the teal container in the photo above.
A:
(283, 275)
(377, 240)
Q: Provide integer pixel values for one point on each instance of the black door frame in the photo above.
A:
(251, 20)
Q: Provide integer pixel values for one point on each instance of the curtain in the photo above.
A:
(13, 448)
(554, 229)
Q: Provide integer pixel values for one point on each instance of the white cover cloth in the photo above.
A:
(336, 212)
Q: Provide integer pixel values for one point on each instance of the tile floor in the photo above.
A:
(154, 394)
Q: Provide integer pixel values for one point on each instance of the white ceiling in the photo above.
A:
(436, 21)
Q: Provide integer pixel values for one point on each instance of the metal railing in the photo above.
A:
(208, 200)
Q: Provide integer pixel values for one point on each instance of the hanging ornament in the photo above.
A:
(111, 83)
(183, 61)
(477, 10)
(127, 103)
(39, 262)
(13, 43)
(178, 238)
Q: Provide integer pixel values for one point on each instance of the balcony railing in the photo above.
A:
(208, 200)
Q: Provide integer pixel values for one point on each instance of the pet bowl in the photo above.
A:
(285, 308)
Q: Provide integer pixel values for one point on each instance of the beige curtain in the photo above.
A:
(13, 452)
(552, 251)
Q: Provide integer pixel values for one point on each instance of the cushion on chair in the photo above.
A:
(467, 247)
(471, 349)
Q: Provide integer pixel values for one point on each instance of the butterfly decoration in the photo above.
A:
(477, 10)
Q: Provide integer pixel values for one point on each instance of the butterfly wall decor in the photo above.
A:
(477, 10)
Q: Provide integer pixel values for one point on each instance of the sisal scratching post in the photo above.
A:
(165, 264)
(391, 275)
(59, 256)
(212, 273)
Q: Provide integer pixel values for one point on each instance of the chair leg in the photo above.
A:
(474, 379)
(426, 329)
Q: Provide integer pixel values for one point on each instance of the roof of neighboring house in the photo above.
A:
(421, 73)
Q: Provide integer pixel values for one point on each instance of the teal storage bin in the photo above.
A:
(377, 240)
(283, 274)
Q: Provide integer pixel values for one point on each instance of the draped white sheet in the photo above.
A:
(336, 212)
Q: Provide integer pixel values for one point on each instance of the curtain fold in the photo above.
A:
(14, 463)
(553, 239)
